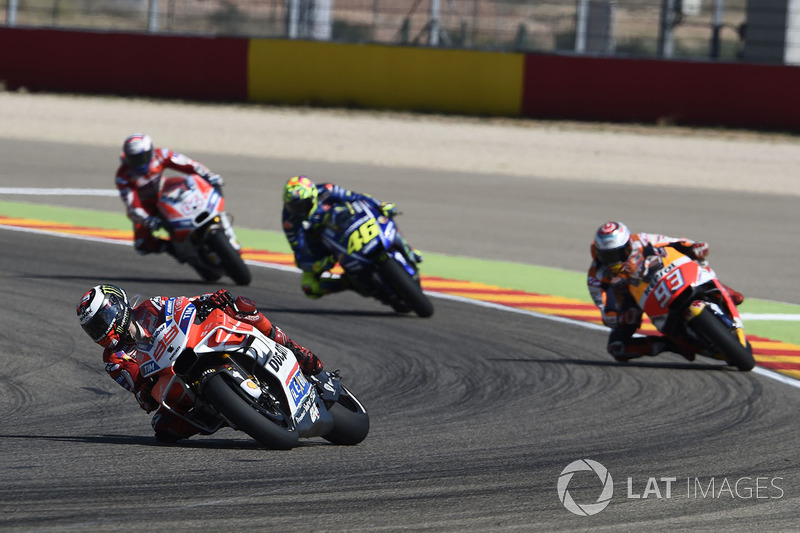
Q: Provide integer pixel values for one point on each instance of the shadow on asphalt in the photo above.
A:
(629, 364)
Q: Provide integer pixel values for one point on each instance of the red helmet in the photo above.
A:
(137, 152)
(105, 315)
(612, 243)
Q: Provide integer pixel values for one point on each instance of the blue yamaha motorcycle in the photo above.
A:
(376, 260)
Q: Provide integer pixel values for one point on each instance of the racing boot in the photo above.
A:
(669, 345)
(310, 364)
(648, 347)
(166, 246)
(315, 286)
(623, 352)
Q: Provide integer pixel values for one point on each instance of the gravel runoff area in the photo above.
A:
(646, 155)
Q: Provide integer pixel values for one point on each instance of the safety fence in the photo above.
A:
(632, 28)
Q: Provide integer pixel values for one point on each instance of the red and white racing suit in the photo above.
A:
(621, 313)
(121, 365)
(139, 193)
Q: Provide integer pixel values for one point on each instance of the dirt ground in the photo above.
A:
(683, 157)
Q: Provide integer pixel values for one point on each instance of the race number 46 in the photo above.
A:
(366, 232)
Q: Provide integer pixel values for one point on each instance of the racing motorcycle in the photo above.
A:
(201, 232)
(374, 257)
(213, 371)
(686, 302)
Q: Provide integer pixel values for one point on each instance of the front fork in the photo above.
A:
(227, 227)
(698, 306)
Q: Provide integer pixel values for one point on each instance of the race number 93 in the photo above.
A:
(365, 233)
(671, 283)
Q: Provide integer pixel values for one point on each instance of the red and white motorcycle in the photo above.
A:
(201, 232)
(213, 371)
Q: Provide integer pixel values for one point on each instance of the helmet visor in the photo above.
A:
(140, 160)
(103, 321)
(614, 256)
(299, 208)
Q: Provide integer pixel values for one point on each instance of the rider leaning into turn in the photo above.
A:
(306, 207)
(612, 246)
(138, 178)
(107, 317)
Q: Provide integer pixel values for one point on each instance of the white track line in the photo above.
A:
(33, 191)
(587, 325)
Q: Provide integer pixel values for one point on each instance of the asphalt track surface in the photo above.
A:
(475, 412)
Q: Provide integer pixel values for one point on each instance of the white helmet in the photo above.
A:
(612, 243)
(137, 152)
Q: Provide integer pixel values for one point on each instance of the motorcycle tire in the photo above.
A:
(239, 410)
(709, 326)
(350, 420)
(406, 287)
(231, 260)
(206, 273)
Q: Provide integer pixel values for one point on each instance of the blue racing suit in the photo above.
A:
(305, 238)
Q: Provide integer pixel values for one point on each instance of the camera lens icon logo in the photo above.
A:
(587, 509)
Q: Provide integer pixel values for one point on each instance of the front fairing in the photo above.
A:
(249, 348)
(188, 203)
(168, 340)
(666, 293)
(357, 235)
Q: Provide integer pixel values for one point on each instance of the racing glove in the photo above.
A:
(388, 209)
(221, 299)
(215, 180)
(152, 223)
(700, 251)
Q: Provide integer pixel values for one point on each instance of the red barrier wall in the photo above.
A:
(129, 64)
(553, 86)
(700, 93)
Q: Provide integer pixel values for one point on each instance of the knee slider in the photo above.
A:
(616, 348)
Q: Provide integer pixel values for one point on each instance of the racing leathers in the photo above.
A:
(121, 363)
(304, 236)
(620, 312)
(139, 193)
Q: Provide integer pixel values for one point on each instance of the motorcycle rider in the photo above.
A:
(108, 318)
(138, 178)
(306, 207)
(613, 245)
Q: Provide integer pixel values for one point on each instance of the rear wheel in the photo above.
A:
(724, 340)
(406, 287)
(231, 260)
(242, 411)
(350, 420)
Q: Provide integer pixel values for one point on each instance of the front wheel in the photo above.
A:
(242, 412)
(350, 420)
(724, 340)
(207, 273)
(406, 287)
(231, 260)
